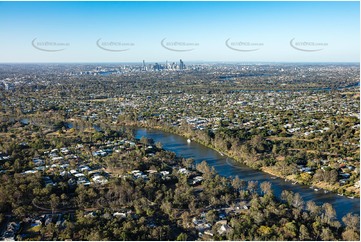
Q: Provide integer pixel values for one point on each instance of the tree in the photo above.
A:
(188, 163)
(304, 234)
(211, 216)
(185, 219)
(54, 202)
(306, 177)
(352, 221)
(333, 176)
(192, 207)
(258, 143)
(327, 234)
(67, 232)
(289, 230)
(350, 235)
(166, 207)
(329, 213)
(144, 140)
(313, 208)
(48, 230)
(236, 183)
(159, 145)
(252, 186)
(182, 237)
(316, 229)
(266, 187)
(352, 231)
(20, 212)
(287, 196)
(264, 232)
(203, 167)
(297, 201)
(208, 172)
(285, 167)
(94, 236)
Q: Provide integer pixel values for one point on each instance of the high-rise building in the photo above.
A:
(156, 67)
(144, 67)
(181, 65)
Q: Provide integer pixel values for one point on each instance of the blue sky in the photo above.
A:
(267, 28)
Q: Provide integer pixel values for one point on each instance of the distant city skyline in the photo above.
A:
(120, 32)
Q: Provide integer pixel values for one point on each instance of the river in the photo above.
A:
(229, 168)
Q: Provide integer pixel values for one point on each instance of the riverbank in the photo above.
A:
(274, 171)
(295, 179)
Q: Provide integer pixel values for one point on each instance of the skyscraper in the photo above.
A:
(144, 68)
(181, 65)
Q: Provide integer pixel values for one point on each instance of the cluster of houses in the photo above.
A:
(65, 165)
(33, 224)
(206, 230)
(257, 107)
(194, 177)
(344, 171)
(10, 232)
(3, 157)
(66, 162)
